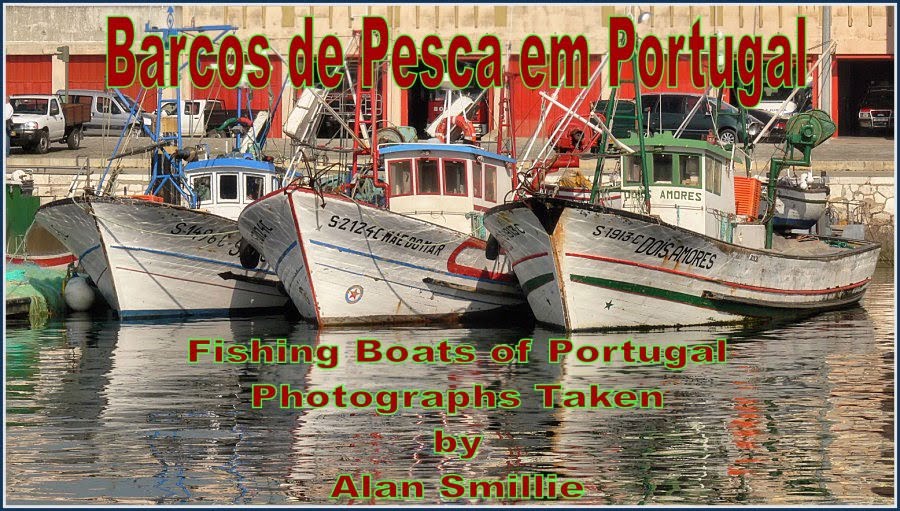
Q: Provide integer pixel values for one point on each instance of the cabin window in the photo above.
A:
(428, 180)
(400, 176)
(476, 181)
(228, 187)
(490, 183)
(54, 107)
(202, 186)
(689, 169)
(714, 176)
(662, 168)
(455, 177)
(632, 170)
(253, 188)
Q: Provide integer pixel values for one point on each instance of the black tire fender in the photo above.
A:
(492, 248)
(248, 255)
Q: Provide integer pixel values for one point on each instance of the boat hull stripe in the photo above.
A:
(283, 254)
(188, 257)
(723, 282)
(402, 263)
(530, 285)
(88, 251)
(528, 258)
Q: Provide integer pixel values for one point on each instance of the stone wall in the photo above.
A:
(870, 200)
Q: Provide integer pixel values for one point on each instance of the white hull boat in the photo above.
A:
(694, 261)
(153, 259)
(586, 267)
(796, 208)
(343, 261)
(349, 263)
(176, 249)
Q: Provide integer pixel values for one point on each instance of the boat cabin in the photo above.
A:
(445, 183)
(691, 183)
(226, 185)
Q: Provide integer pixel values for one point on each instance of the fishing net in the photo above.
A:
(42, 286)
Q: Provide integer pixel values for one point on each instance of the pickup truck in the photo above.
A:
(201, 117)
(39, 119)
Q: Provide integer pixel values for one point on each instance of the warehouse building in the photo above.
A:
(865, 37)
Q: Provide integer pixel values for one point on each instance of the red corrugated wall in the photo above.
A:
(89, 72)
(527, 102)
(29, 74)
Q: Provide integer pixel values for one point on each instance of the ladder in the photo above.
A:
(506, 121)
(365, 130)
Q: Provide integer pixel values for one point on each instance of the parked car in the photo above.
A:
(773, 97)
(876, 110)
(776, 131)
(109, 113)
(39, 119)
(666, 111)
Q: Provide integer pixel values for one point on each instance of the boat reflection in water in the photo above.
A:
(110, 412)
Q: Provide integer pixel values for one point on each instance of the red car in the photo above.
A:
(876, 111)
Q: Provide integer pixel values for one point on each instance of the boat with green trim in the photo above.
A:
(694, 260)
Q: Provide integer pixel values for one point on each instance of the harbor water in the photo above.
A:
(101, 412)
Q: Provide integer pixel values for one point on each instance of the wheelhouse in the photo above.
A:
(225, 186)
(691, 183)
(450, 184)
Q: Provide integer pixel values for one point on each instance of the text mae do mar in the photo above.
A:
(557, 60)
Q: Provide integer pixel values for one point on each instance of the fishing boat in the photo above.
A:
(406, 256)
(399, 240)
(693, 260)
(174, 250)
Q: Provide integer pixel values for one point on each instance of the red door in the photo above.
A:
(29, 74)
(527, 102)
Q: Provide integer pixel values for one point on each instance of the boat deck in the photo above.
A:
(809, 246)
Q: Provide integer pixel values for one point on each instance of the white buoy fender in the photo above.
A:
(79, 294)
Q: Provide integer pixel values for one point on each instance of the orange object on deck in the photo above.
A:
(746, 196)
(151, 198)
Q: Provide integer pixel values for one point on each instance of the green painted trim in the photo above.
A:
(674, 296)
(536, 282)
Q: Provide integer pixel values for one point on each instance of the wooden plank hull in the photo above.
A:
(586, 267)
(150, 259)
(348, 263)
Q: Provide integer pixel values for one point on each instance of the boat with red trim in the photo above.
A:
(404, 254)
(696, 260)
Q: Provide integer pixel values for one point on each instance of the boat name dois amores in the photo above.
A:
(524, 486)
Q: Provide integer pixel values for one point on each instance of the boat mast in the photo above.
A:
(159, 175)
(638, 118)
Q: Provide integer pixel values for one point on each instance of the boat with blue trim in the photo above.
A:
(396, 244)
(176, 249)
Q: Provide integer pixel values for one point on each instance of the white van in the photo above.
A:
(108, 112)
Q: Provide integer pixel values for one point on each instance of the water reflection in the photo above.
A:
(101, 412)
